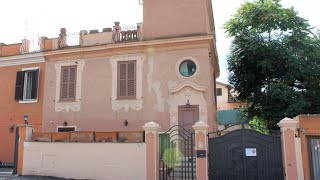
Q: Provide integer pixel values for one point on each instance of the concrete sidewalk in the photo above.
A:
(13, 177)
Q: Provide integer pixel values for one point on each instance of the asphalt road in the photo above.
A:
(6, 174)
(12, 177)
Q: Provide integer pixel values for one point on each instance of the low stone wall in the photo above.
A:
(105, 161)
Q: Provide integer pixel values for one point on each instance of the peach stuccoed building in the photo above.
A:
(227, 98)
(162, 69)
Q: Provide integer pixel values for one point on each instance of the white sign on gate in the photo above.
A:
(251, 152)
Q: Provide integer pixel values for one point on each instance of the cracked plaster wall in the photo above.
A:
(159, 75)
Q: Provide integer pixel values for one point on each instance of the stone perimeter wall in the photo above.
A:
(85, 160)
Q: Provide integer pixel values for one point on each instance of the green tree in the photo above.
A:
(274, 61)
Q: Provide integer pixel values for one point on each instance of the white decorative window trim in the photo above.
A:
(184, 59)
(184, 92)
(134, 104)
(29, 101)
(30, 68)
(76, 104)
(21, 59)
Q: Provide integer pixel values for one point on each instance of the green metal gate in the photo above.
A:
(177, 159)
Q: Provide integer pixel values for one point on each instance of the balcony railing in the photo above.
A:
(116, 34)
(68, 40)
(126, 34)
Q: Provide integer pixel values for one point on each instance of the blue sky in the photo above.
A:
(47, 17)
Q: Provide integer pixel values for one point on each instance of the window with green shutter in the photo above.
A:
(126, 80)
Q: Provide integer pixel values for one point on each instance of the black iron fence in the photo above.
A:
(177, 159)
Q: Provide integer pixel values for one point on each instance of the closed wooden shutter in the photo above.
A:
(19, 86)
(127, 80)
(72, 82)
(68, 83)
(122, 80)
(131, 79)
(64, 83)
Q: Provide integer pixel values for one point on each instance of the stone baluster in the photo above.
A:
(62, 41)
(116, 32)
(82, 34)
(24, 47)
(139, 34)
(42, 43)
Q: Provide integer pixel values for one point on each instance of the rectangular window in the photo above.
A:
(66, 129)
(27, 84)
(219, 91)
(314, 143)
(68, 83)
(126, 79)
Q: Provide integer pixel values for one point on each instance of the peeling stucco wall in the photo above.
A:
(154, 85)
(159, 76)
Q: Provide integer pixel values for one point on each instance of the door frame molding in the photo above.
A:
(184, 93)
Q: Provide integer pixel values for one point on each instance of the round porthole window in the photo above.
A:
(187, 68)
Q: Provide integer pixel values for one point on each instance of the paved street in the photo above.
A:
(7, 177)
(6, 174)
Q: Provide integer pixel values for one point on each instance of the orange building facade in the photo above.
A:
(21, 94)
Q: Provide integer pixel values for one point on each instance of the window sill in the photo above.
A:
(66, 101)
(28, 101)
(126, 99)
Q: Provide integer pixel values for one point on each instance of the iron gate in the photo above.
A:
(245, 154)
(177, 159)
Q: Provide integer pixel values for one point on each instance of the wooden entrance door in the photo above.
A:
(188, 116)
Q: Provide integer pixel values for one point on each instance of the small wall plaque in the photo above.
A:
(251, 152)
(201, 153)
